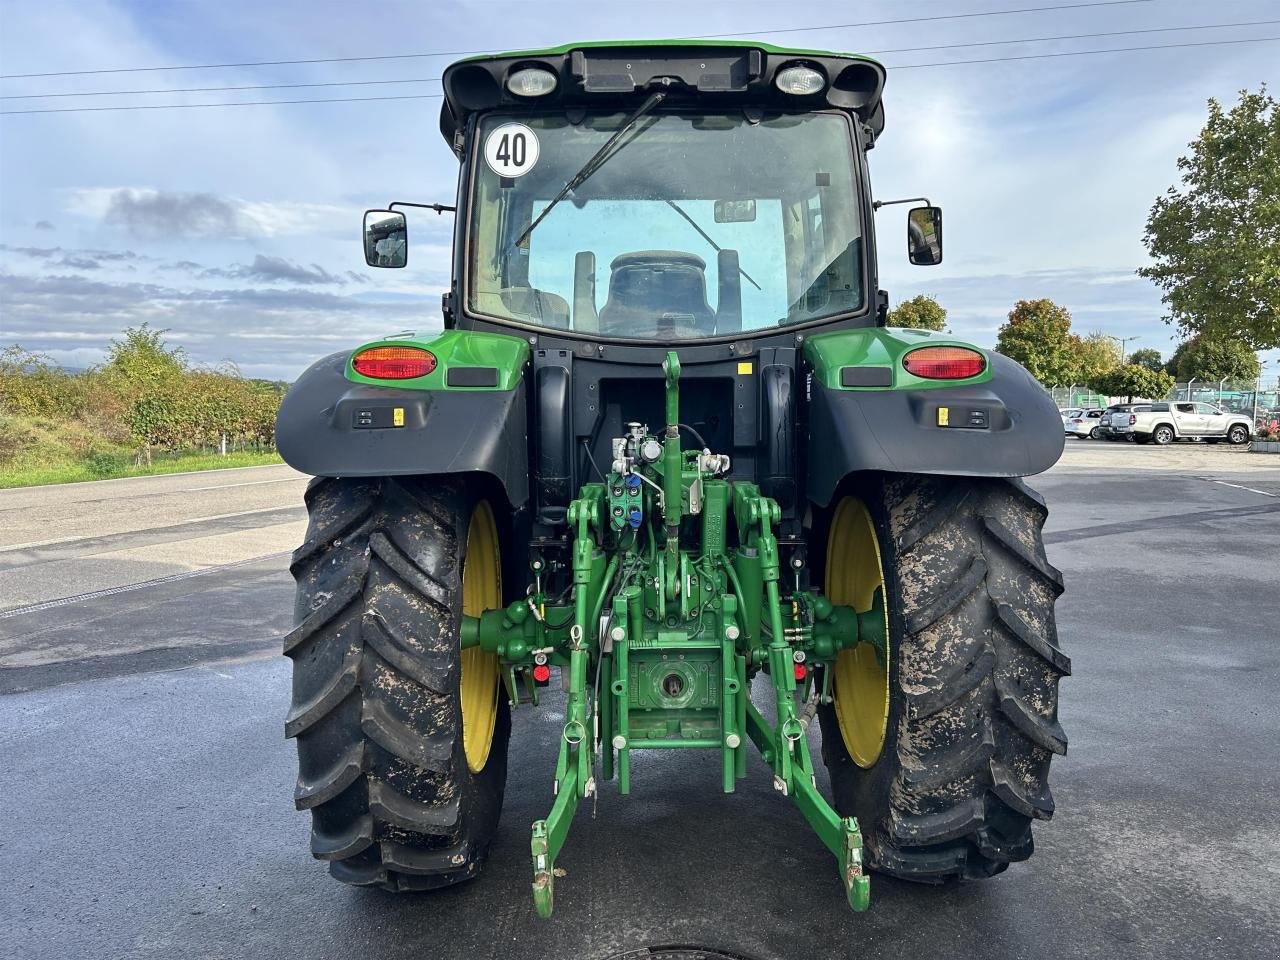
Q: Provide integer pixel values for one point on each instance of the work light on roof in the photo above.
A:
(799, 80)
(531, 82)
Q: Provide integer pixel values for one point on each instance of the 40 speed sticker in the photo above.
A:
(511, 150)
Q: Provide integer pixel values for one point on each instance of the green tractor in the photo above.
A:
(667, 448)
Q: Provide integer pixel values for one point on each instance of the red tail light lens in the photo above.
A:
(394, 363)
(944, 363)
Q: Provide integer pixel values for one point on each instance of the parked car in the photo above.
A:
(1084, 424)
(1163, 423)
(1117, 415)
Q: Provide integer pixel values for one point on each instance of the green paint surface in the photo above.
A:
(829, 353)
(453, 349)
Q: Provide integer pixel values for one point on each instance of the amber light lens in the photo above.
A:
(394, 363)
(944, 363)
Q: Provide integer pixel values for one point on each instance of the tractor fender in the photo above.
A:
(330, 426)
(1005, 426)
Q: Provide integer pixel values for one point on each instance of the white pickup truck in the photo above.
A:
(1166, 422)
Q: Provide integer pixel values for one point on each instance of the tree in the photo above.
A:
(1095, 355)
(920, 312)
(1148, 357)
(1210, 358)
(146, 375)
(1214, 242)
(1131, 381)
(1038, 336)
(141, 361)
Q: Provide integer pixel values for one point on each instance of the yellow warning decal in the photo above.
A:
(744, 367)
(944, 416)
(397, 416)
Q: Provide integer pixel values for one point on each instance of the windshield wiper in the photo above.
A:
(598, 160)
(707, 237)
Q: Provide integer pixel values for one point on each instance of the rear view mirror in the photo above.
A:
(924, 236)
(386, 239)
(735, 211)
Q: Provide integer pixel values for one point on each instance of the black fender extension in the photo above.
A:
(329, 426)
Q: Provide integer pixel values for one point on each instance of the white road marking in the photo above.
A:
(246, 483)
(6, 548)
(1261, 493)
(126, 588)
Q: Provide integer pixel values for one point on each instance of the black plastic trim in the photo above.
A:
(866, 377)
(472, 377)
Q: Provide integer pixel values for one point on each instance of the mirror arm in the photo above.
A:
(437, 207)
(877, 204)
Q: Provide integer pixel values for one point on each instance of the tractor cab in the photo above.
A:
(684, 192)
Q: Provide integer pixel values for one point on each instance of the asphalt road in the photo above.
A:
(147, 785)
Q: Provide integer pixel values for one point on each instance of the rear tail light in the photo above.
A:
(1132, 419)
(394, 363)
(944, 363)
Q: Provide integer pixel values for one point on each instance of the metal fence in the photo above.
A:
(1257, 398)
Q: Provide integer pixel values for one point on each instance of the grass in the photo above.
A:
(32, 476)
(37, 450)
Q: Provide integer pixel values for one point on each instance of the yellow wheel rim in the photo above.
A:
(861, 684)
(481, 591)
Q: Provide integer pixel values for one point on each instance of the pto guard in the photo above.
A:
(330, 426)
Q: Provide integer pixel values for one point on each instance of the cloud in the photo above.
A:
(276, 269)
(44, 225)
(80, 263)
(165, 214)
(36, 253)
(75, 259)
(271, 332)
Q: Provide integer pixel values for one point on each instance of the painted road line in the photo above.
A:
(10, 547)
(112, 591)
(1261, 493)
(246, 483)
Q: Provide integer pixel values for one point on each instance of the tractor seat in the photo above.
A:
(662, 291)
(542, 306)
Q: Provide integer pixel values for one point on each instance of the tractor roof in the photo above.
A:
(723, 73)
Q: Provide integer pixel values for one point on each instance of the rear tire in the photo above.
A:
(974, 666)
(377, 673)
(1163, 435)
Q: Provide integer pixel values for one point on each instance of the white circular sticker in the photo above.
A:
(511, 150)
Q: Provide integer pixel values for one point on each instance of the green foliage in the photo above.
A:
(920, 313)
(1131, 381)
(31, 384)
(1095, 355)
(1147, 357)
(144, 398)
(1215, 242)
(141, 362)
(1212, 358)
(1038, 335)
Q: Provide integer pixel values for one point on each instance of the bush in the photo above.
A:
(146, 397)
(103, 464)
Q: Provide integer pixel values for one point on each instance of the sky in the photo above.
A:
(237, 228)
